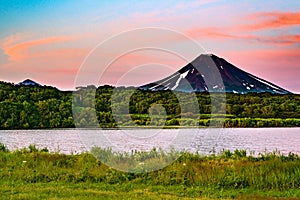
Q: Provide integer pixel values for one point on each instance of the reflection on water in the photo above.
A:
(78, 140)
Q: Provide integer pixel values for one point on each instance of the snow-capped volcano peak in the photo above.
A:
(210, 73)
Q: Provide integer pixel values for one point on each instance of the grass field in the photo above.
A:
(37, 174)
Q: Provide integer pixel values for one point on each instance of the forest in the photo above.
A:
(37, 107)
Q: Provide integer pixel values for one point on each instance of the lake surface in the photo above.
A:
(75, 141)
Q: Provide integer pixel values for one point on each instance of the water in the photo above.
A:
(75, 141)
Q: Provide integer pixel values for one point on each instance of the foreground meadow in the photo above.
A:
(37, 174)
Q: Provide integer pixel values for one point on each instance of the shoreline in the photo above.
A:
(152, 127)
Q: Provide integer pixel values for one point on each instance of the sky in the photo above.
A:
(50, 41)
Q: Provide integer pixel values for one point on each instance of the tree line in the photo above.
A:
(31, 107)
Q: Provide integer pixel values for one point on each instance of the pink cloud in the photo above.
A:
(20, 51)
(269, 20)
(237, 31)
(286, 39)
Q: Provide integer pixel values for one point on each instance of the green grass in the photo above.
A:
(37, 174)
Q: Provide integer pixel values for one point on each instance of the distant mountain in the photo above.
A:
(201, 75)
(29, 82)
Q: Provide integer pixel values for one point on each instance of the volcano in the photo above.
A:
(29, 82)
(210, 73)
